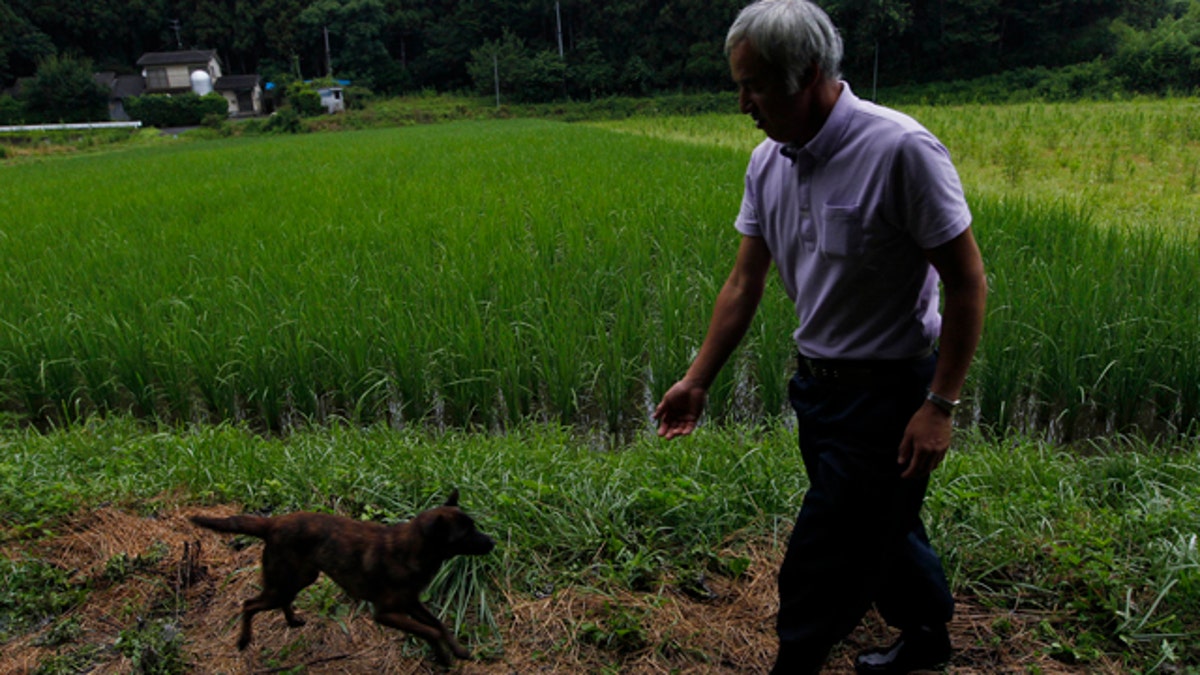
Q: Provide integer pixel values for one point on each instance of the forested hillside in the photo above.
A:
(585, 48)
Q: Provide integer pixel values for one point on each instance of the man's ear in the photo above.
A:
(811, 75)
(452, 500)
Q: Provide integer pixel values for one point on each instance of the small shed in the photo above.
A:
(243, 92)
(332, 99)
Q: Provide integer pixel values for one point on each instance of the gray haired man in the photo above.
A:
(863, 214)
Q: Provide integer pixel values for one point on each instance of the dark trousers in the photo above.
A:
(858, 539)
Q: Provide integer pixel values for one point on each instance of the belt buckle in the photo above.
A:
(834, 375)
(817, 370)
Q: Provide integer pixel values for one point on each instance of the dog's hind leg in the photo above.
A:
(249, 609)
(280, 586)
(267, 600)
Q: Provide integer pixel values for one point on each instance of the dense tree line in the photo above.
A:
(584, 48)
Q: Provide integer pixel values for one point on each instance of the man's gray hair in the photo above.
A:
(792, 35)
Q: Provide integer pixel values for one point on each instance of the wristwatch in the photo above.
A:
(942, 402)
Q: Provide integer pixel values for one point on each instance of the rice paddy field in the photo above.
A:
(358, 321)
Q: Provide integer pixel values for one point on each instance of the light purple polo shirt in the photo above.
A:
(847, 226)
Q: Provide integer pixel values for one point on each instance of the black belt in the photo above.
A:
(854, 373)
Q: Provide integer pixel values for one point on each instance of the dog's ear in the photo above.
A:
(452, 500)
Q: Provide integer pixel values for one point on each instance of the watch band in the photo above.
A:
(942, 402)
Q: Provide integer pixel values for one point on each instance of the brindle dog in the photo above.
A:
(387, 566)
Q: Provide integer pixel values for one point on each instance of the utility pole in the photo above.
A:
(496, 73)
(175, 27)
(328, 59)
(558, 19)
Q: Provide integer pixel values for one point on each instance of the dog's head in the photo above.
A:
(454, 530)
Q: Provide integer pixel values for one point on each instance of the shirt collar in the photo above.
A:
(822, 146)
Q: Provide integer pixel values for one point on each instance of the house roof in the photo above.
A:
(120, 86)
(177, 58)
(128, 85)
(236, 82)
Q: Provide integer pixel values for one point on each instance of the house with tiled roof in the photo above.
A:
(174, 73)
(171, 72)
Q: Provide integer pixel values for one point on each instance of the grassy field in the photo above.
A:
(1134, 163)
(1095, 548)
(486, 273)
(494, 305)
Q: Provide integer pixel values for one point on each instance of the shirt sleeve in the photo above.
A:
(748, 222)
(928, 198)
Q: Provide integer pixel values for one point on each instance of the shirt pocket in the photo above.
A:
(841, 231)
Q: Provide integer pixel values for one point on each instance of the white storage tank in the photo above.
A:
(201, 82)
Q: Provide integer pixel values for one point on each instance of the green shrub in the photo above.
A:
(217, 123)
(180, 110)
(11, 110)
(251, 127)
(63, 90)
(304, 100)
(286, 121)
(1093, 80)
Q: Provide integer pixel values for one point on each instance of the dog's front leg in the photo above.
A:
(421, 613)
(430, 634)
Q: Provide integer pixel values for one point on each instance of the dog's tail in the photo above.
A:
(255, 526)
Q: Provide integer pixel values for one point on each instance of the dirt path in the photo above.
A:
(198, 584)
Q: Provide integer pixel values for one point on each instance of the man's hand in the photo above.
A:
(925, 441)
(680, 409)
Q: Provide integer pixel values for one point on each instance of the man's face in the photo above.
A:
(762, 94)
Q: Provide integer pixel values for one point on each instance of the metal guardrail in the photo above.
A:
(68, 127)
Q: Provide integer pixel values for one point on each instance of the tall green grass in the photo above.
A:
(482, 274)
(1100, 541)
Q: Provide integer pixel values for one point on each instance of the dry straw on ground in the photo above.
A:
(201, 582)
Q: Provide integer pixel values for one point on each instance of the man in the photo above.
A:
(862, 213)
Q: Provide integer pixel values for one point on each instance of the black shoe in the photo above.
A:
(921, 649)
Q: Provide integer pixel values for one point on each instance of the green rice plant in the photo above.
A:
(1092, 301)
(414, 275)
(479, 275)
(1085, 328)
(1068, 148)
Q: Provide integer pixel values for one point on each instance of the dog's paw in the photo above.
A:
(289, 615)
(443, 656)
(243, 643)
(461, 652)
